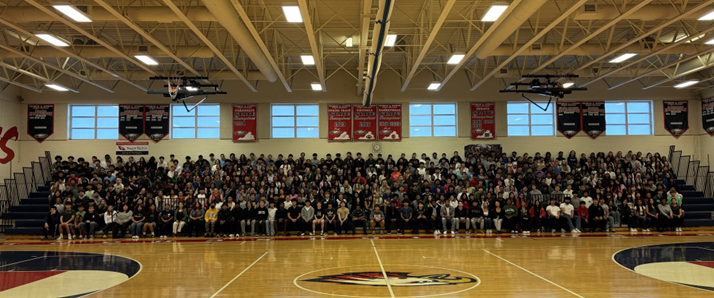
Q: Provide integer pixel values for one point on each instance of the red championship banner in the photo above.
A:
(389, 122)
(483, 124)
(339, 122)
(365, 123)
(244, 123)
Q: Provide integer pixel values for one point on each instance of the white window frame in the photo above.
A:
(295, 116)
(627, 120)
(95, 117)
(529, 114)
(431, 114)
(195, 121)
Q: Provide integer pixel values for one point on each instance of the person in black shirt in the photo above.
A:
(224, 221)
(151, 222)
(319, 219)
(52, 219)
(281, 219)
(421, 218)
(166, 220)
(294, 217)
(392, 216)
(91, 220)
(261, 217)
(476, 217)
(597, 219)
(330, 220)
(248, 218)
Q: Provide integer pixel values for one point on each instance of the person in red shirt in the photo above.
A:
(359, 179)
(583, 213)
(538, 216)
(395, 175)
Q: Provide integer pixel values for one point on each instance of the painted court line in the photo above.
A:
(536, 275)
(23, 261)
(239, 274)
(384, 273)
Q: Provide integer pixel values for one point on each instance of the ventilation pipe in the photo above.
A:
(379, 36)
(510, 24)
(228, 17)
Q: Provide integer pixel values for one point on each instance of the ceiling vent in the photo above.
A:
(590, 7)
(596, 70)
(536, 46)
(503, 71)
(143, 49)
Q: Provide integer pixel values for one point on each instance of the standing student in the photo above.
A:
(393, 216)
(137, 221)
(461, 215)
(210, 218)
(166, 220)
(52, 219)
(376, 218)
(180, 217)
(487, 219)
(248, 216)
(319, 219)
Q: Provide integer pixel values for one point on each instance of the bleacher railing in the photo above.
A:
(692, 172)
(21, 186)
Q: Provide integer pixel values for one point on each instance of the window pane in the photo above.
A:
(283, 133)
(614, 107)
(444, 120)
(179, 110)
(108, 122)
(444, 131)
(307, 121)
(518, 119)
(83, 110)
(615, 130)
(419, 120)
(638, 129)
(419, 109)
(107, 134)
(82, 134)
(518, 130)
(541, 130)
(281, 110)
(614, 118)
(184, 122)
(420, 131)
(638, 107)
(209, 110)
(445, 109)
(307, 110)
(638, 118)
(208, 121)
(108, 111)
(542, 119)
(208, 133)
(283, 121)
(82, 122)
(538, 110)
(308, 132)
(517, 108)
(183, 133)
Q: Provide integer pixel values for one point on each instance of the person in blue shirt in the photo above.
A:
(405, 216)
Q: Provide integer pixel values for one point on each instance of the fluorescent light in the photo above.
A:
(707, 17)
(73, 13)
(52, 39)
(623, 57)
(316, 86)
(146, 59)
(456, 58)
(307, 59)
(434, 85)
(292, 13)
(494, 12)
(685, 84)
(711, 41)
(568, 84)
(191, 88)
(57, 87)
(681, 38)
(391, 40)
(348, 42)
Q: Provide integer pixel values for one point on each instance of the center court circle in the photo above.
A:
(367, 281)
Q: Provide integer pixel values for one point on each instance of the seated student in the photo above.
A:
(678, 216)
(554, 218)
(539, 217)
(52, 219)
(293, 221)
(640, 216)
(510, 216)
(152, 221)
(461, 215)
(331, 219)
(137, 221)
(568, 213)
(248, 216)
(597, 217)
(78, 219)
(487, 219)
(447, 216)
(666, 216)
(421, 218)
(122, 220)
(405, 216)
(307, 213)
(376, 218)
(211, 217)
(223, 222)
(496, 214)
(319, 219)
(281, 218)
(358, 217)
(180, 217)
(524, 219)
(583, 213)
(196, 220)
(261, 218)
(343, 217)
(109, 221)
(271, 221)
(90, 223)
(393, 216)
(166, 221)
(476, 217)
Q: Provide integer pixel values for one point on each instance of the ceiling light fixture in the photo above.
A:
(568, 84)
(292, 13)
(191, 88)
(434, 85)
(623, 57)
(307, 59)
(707, 17)
(685, 84)
(455, 58)
(711, 42)
(57, 87)
(316, 86)
(494, 12)
(348, 42)
(146, 59)
(73, 13)
(52, 39)
(390, 40)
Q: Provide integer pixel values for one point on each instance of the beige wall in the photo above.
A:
(341, 89)
(706, 142)
(10, 116)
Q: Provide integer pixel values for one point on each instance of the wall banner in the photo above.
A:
(156, 121)
(676, 116)
(40, 121)
(569, 116)
(339, 122)
(131, 121)
(593, 118)
(389, 122)
(483, 124)
(244, 123)
(365, 123)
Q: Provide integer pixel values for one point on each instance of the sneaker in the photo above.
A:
(103, 236)
(231, 235)
(302, 234)
(562, 230)
(81, 237)
(381, 232)
(553, 230)
(322, 233)
(91, 237)
(633, 230)
(334, 234)
(647, 230)
(453, 233)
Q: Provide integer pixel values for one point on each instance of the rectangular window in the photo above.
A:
(632, 118)
(527, 119)
(432, 120)
(93, 122)
(294, 121)
(203, 122)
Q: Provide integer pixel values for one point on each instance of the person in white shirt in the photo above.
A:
(553, 215)
(568, 192)
(568, 212)
(270, 226)
(587, 199)
(162, 163)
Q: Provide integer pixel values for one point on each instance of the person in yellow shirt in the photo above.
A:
(211, 218)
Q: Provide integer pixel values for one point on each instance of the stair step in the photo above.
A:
(42, 194)
(29, 223)
(698, 222)
(679, 181)
(694, 201)
(43, 188)
(31, 208)
(698, 207)
(25, 215)
(699, 215)
(35, 201)
(686, 187)
(692, 194)
(23, 231)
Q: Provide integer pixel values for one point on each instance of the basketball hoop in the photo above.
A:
(173, 82)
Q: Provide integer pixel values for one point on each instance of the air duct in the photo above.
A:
(228, 17)
(379, 36)
(510, 24)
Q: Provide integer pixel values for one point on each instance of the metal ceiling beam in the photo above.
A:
(651, 32)
(563, 16)
(28, 87)
(425, 48)
(706, 62)
(671, 64)
(602, 29)
(261, 44)
(363, 39)
(478, 43)
(147, 36)
(35, 76)
(208, 43)
(314, 46)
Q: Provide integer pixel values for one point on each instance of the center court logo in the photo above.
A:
(396, 279)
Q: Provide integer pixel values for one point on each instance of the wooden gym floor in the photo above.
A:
(559, 265)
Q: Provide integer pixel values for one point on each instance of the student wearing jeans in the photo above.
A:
(137, 221)
(91, 222)
(405, 216)
(270, 226)
(123, 219)
(567, 212)
(261, 217)
(447, 216)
